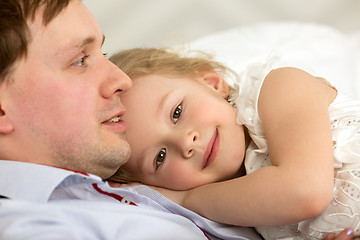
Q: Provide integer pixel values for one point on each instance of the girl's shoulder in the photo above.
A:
(247, 87)
(289, 87)
(275, 83)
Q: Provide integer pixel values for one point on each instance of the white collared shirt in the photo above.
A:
(52, 203)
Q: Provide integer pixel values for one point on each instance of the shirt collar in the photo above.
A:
(32, 182)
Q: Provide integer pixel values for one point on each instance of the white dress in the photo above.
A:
(344, 210)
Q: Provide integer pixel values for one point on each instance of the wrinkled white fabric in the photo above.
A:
(344, 210)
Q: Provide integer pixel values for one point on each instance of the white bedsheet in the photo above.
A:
(319, 49)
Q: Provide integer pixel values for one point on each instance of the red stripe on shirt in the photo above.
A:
(113, 195)
(203, 232)
(83, 173)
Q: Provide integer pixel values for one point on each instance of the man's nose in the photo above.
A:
(116, 80)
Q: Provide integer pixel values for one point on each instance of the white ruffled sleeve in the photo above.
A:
(245, 99)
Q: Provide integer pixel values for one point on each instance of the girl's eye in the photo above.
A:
(160, 157)
(80, 62)
(177, 113)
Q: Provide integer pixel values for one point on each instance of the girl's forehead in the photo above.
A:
(165, 81)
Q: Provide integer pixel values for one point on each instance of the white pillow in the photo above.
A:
(319, 49)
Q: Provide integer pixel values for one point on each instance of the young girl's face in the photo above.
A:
(182, 132)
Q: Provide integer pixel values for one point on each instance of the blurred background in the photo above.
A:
(154, 23)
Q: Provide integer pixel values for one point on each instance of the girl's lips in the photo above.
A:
(211, 150)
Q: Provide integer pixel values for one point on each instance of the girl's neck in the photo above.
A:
(242, 170)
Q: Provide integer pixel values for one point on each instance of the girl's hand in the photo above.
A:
(346, 234)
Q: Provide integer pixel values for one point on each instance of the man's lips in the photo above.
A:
(116, 122)
(211, 150)
(116, 117)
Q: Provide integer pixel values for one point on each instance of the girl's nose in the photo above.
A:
(189, 143)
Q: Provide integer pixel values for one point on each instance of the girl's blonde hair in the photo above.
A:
(138, 62)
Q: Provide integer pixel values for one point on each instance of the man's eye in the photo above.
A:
(177, 113)
(81, 61)
(160, 157)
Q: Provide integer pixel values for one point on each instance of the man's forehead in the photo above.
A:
(73, 27)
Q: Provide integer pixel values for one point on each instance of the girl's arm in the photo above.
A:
(293, 108)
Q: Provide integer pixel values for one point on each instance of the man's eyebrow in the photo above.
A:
(87, 41)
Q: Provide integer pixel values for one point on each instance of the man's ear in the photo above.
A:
(218, 83)
(6, 126)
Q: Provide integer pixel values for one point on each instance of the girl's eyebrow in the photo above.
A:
(162, 102)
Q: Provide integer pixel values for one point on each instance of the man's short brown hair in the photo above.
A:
(14, 32)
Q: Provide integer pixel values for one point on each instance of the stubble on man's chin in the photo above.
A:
(102, 161)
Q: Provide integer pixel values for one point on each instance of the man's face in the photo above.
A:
(63, 98)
